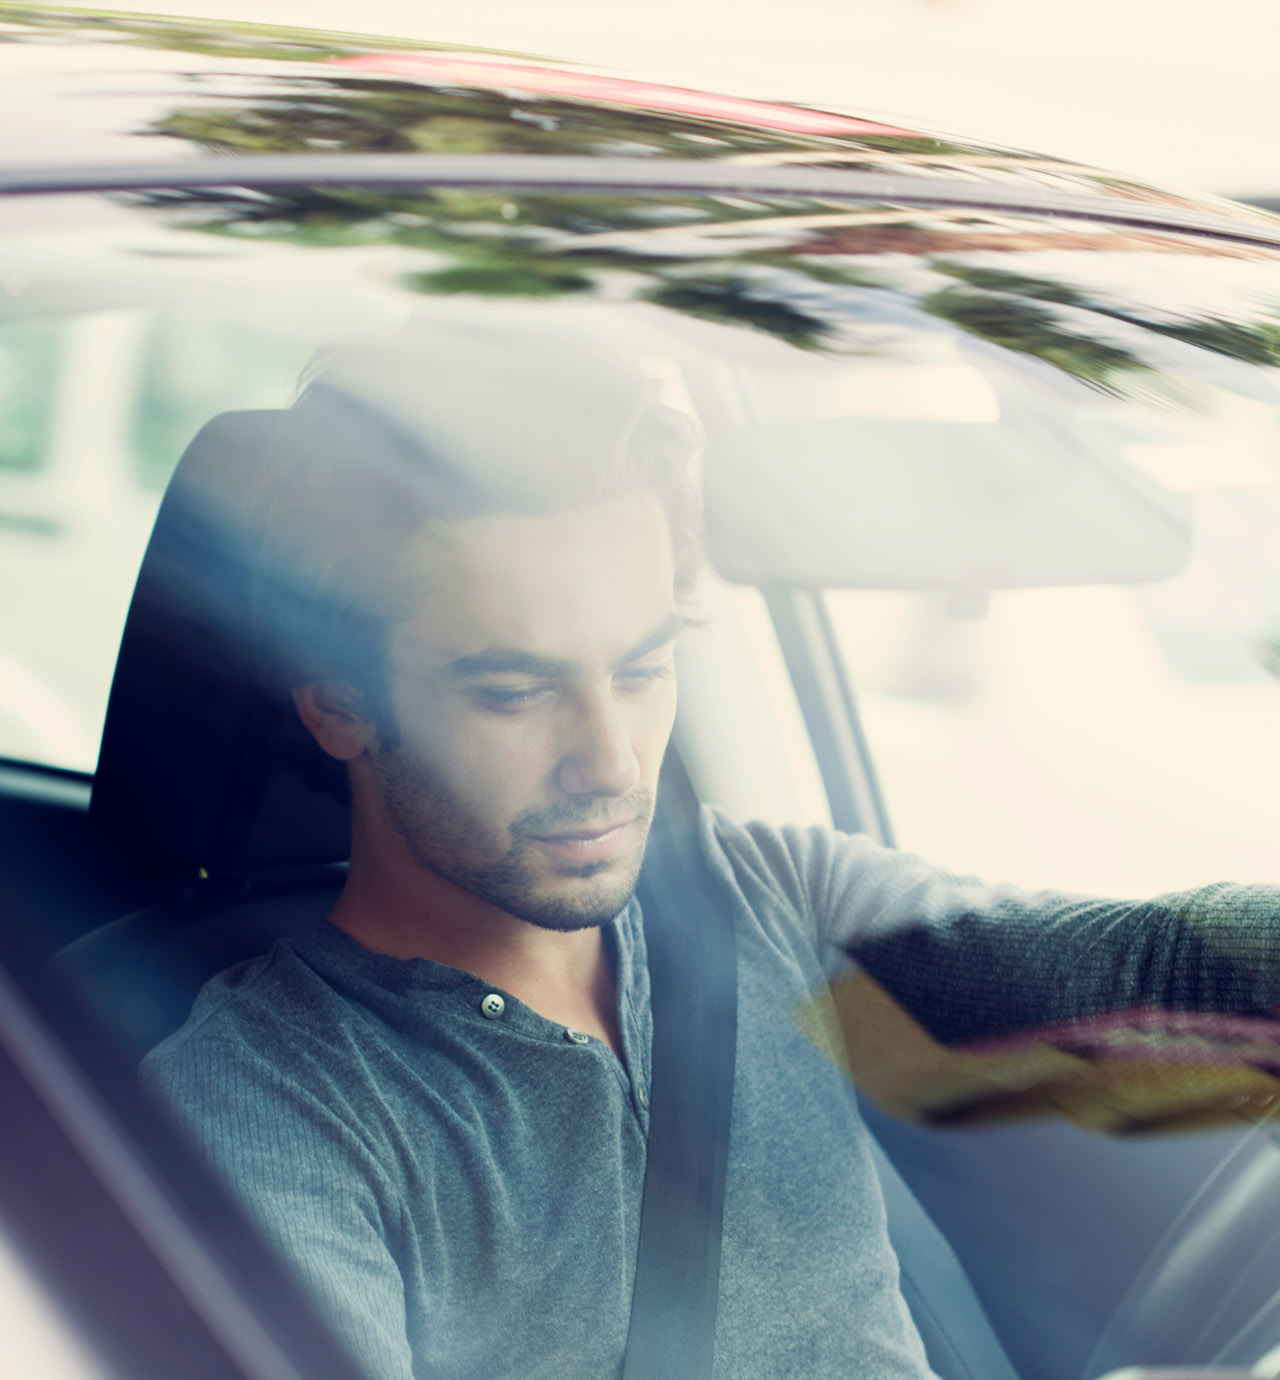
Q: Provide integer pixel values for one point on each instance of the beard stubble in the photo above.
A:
(441, 833)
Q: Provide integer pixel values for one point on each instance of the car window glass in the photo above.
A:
(28, 375)
(1114, 738)
(103, 405)
(1109, 741)
(795, 335)
(735, 690)
(869, 391)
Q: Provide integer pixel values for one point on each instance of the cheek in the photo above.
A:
(653, 721)
(492, 759)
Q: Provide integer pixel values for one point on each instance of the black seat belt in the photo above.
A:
(694, 982)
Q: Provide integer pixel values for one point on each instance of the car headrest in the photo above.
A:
(186, 779)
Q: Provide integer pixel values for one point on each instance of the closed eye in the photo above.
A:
(638, 677)
(508, 699)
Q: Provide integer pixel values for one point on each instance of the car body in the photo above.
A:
(990, 477)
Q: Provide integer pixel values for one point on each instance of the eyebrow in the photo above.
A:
(498, 661)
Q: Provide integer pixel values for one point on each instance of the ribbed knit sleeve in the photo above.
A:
(304, 1176)
(972, 962)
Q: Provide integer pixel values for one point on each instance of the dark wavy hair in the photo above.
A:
(430, 425)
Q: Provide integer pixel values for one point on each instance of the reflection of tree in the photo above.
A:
(360, 115)
(802, 287)
(475, 225)
(498, 278)
(542, 245)
(1252, 342)
(737, 300)
(503, 244)
(1028, 329)
(339, 111)
(277, 123)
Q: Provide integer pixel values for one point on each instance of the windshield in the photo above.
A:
(909, 401)
(991, 508)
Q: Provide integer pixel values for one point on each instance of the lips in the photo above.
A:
(586, 845)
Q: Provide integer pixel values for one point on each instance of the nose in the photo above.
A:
(600, 758)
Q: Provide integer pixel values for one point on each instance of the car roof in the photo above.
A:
(96, 98)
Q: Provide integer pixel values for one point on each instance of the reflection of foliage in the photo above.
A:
(1254, 342)
(838, 275)
(544, 244)
(633, 129)
(360, 115)
(1017, 324)
(341, 111)
(738, 301)
(801, 289)
(1021, 284)
(470, 223)
(370, 116)
(499, 279)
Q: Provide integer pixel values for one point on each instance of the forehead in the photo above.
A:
(579, 584)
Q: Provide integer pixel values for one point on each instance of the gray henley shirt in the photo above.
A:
(461, 1192)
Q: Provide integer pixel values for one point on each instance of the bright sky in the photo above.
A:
(1178, 90)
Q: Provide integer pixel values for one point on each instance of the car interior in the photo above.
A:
(1031, 1248)
(201, 878)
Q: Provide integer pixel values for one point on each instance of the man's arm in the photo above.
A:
(974, 962)
(307, 1181)
(957, 1000)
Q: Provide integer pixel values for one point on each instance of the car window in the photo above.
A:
(1031, 463)
(28, 375)
(1108, 741)
(105, 381)
(1105, 738)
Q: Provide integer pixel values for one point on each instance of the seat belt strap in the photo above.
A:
(694, 984)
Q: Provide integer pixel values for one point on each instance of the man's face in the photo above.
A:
(534, 691)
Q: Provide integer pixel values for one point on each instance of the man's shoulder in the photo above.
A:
(266, 1010)
(268, 1065)
(805, 884)
(767, 866)
(792, 861)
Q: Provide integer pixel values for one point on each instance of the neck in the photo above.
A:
(393, 904)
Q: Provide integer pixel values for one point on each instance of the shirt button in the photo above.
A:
(577, 1037)
(492, 1006)
(642, 1097)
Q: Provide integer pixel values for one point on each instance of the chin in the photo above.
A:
(593, 899)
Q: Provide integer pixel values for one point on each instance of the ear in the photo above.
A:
(333, 715)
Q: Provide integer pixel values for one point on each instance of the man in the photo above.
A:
(475, 566)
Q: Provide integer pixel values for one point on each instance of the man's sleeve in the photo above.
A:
(308, 1182)
(972, 962)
